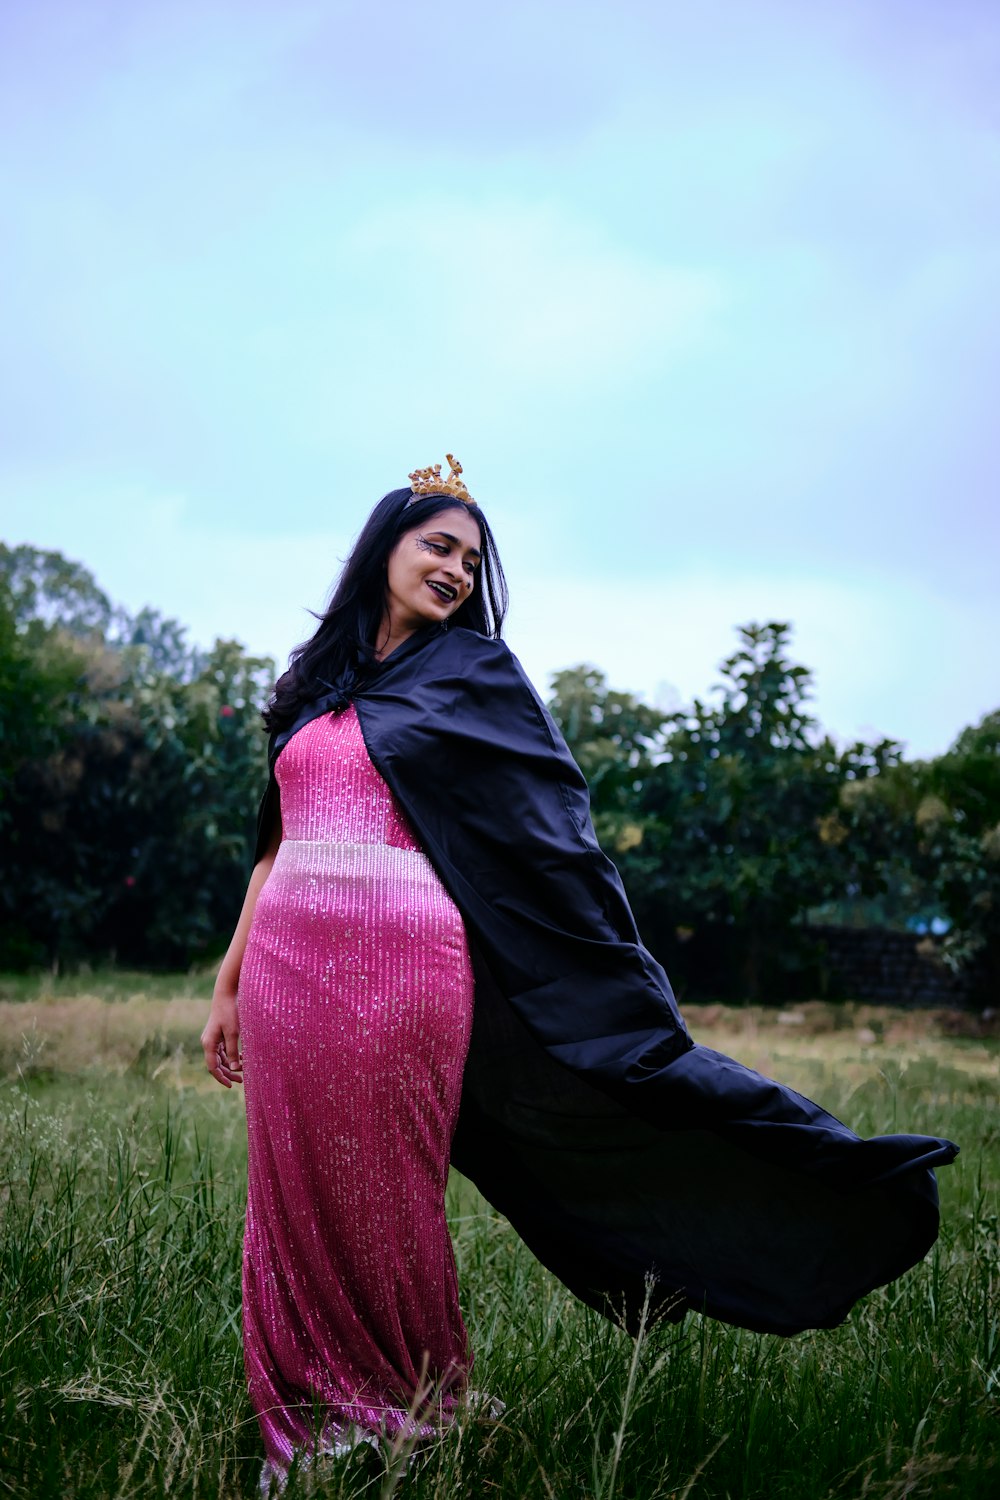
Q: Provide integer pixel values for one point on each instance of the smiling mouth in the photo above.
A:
(444, 591)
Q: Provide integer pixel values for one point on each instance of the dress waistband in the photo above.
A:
(350, 844)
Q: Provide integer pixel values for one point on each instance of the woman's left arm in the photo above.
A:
(220, 1039)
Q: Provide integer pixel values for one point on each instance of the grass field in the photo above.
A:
(121, 1191)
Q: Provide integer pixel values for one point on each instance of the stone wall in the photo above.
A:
(885, 968)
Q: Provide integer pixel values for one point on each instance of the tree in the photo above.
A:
(966, 780)
(742, 831)
(131, 767)
(159, 643)
(46, 589)
(615, 741)
(192, 802)
(935, 828)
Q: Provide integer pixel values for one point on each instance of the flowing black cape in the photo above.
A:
(625, 1155)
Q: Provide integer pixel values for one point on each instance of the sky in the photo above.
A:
(705, 298)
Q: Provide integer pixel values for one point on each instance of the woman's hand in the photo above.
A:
(221, 1040)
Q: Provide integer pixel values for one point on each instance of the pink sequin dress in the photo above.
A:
(355, 1001)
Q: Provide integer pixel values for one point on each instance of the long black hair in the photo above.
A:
(345, 636)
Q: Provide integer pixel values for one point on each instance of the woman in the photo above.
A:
(426, 831)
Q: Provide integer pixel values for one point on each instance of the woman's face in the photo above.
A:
(432, 570)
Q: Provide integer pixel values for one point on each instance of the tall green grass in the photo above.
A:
(121, 1196)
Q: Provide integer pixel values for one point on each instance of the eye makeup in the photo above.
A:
(472, 560)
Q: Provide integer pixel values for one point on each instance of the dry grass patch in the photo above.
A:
(150, 1024)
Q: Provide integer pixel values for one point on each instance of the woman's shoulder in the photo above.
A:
(460, 664)
(465, 650)
(485, 673)
(470, 643)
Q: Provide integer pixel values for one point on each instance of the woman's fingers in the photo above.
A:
(222, 1057)
(230, 1052)
(231, 1045)
(228, 1067)
(211, 1046)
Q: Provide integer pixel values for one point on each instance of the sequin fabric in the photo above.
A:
(355, 1003)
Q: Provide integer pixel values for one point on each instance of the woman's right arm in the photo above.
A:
(220, 1039)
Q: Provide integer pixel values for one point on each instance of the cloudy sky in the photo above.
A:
(706, 298)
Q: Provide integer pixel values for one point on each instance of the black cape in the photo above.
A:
(625, 1155)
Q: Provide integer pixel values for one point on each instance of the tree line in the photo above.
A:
(131, 763)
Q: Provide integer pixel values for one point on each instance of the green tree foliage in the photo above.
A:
(967, 780)
(45, 589)
(131, 762)
(616, 741)
(36, 676)
(733, 820)
(934, 829)
(746, 804)
(131, 765)
(200, 771)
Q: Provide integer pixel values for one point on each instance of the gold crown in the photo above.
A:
(429, 482)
